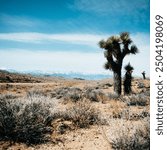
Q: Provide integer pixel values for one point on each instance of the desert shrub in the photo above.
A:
(73, 94)
(129, 114)
(140, 85)
(130, 135)
(94, 94)
(104, 86)
(7, 96)
(26, 120)
(82, 114)
(138, 115)
(113, 96)
(59, 93)
(63, 127)
(108, 85)
(138, 99)
(76, 94)
(121, 113)
(35, 92)
(67, 93)
(147, 92)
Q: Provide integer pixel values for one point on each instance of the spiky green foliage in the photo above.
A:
(102, 44)
(134, 49)
(106, 66)
(116, 48)
(125, 38)
(128, 67)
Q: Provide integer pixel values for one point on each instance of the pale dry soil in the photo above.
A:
(92, 138)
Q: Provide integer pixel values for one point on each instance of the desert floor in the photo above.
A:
(121, 118)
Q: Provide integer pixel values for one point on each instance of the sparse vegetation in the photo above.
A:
(128, 113)
(60, 114)
(35, 92)
(128, 135)
(73, 94)
(82, 114)
(140, 85)
(76, 94)
(25, 120)
(94, 94)
(137, 99)
(7, 96)
(112, 96)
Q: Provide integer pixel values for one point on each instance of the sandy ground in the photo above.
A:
(92, 138)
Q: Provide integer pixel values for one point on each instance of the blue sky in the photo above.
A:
(62, 35)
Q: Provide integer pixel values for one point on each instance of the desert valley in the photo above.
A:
(72, 114)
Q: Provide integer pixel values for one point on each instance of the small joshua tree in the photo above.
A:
(144, 74)
(116, 48)
(128, 79)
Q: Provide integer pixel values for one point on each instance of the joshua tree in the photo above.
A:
(128, 79)
(116, 48)
(144, 74)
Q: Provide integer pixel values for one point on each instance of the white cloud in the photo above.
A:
(83, 39)
(34, 37)
(67, 61)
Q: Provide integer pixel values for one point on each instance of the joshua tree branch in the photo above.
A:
(125, 51)
(112, 62)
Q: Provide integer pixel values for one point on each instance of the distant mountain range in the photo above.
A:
(70, 75)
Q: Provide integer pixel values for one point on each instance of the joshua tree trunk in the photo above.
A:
(117, 82)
